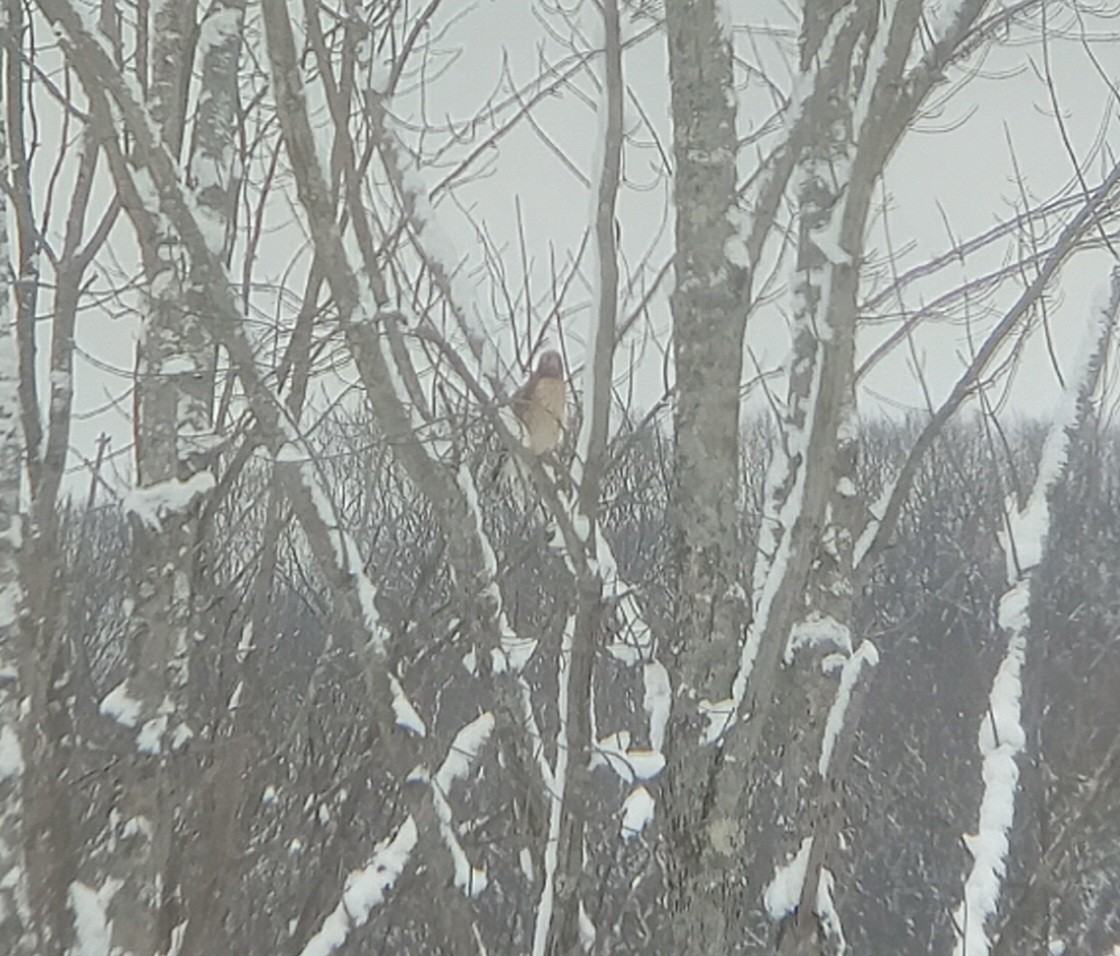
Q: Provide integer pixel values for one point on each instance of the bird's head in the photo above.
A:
(550, 365)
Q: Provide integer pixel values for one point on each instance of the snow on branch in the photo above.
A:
(92, 927)
(11, 755)
(514, 651)
(404, 711)
(867, 655)
(556, 795)
(783, 892)
(657, 701)
(154, 504)
(614, 751)
(1001, 735)
(1001, 740)
(365, 890)
(463, 752)
(637, 812)
(154, 168)
(828, 914)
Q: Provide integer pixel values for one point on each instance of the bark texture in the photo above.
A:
(16, 923)
(708, 324)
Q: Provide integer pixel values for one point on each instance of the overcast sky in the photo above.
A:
(956, 173)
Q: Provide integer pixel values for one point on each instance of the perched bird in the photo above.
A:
(540, 405)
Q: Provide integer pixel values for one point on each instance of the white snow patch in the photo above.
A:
(829, 915)
(875, 60)
(406, 714)
(624, 653)
(11, 756)
(91, 922)
(138, 826)
(735, 251)
(9, 604)
(245, 645)
(637, 812)
(148, 741)
(818, 631)
(1001, 739)
(365, 889)
(180, 735)
(464, 749)
(783, 892)
(657, 701)
(525, 861)
(614, 751)
(218, 27)
(867, 536)
(179, 365)
(1014, 607)
(557, 777)
(867, 655)
(586, 929)
(120, 706)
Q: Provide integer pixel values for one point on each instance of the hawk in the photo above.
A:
(540, 405)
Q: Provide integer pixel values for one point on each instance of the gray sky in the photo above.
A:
(956, 170)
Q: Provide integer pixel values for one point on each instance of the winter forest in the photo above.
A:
(559, 476)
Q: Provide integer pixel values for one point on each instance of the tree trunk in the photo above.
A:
(174, 387)
(16, 924)
(708, 325)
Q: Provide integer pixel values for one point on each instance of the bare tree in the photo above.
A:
(617, 710)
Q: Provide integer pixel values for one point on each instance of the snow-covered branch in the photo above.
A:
(543, 924)
(1002, 737)
(365, 890)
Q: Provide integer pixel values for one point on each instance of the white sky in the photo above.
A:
(958, 169)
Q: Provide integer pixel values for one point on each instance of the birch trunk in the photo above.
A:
(16, 923)
(174, 387)
(769, 764)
